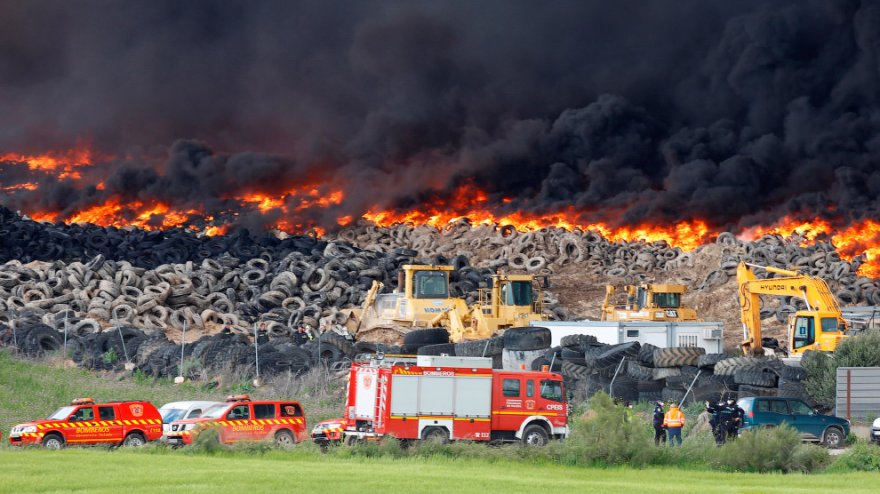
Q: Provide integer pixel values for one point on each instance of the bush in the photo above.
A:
(862, 350)
(769, 450)
(861, 457)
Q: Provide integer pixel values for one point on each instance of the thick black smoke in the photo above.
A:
(734, 112)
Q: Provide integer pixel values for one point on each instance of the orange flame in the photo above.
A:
(859, 238)
(466, 201)
(63, 163)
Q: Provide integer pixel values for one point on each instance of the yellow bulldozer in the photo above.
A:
(647, 302)
(422, 300)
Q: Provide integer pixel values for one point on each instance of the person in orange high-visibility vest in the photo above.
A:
(673, 421)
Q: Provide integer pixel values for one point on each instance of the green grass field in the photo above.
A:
(34, 389)
(98, 470)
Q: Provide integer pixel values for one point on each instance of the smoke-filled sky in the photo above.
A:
(630, 111)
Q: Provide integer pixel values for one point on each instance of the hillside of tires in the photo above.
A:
(116, 296)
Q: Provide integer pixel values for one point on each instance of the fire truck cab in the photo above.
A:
(450, 398)
(239, 419)
(128, 423)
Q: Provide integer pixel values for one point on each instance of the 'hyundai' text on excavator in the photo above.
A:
(821, 327)
(422, 300)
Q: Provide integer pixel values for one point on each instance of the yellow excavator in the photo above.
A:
(821, 327)
(648, 302)
(422, 300)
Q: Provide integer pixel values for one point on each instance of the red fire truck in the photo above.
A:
(448, 398)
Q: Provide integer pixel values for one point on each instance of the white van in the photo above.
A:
(180, 410)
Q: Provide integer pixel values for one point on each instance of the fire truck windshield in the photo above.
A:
(215, 411)
(62, 413)
(551, 390)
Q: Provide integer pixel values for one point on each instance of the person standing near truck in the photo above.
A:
(736, 414)
(717, 430)
(659, 430)
(674, 422)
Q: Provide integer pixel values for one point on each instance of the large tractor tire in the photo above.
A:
(527, 338)
(418, 338)
(755, 377)
(677, 356)
(729, 366)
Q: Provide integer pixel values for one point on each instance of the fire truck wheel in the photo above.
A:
(284, 439)
(134, 440)
(535, 435)
(435, 434)
(53, 441)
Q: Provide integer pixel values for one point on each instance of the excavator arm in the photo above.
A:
(813, 291)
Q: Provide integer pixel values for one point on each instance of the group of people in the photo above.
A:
(667, 423)
(726, 419)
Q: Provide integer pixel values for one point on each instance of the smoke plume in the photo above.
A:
(736, 113)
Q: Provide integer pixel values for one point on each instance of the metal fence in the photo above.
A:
(858, 392)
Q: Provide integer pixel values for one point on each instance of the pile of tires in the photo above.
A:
(545, 251)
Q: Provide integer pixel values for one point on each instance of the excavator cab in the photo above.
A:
(811, 330)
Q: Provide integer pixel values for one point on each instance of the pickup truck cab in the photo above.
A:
(765, 411)
(84, 422)
(239, 419)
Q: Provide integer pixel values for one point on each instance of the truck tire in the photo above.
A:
(709, 360)
(792, 373)
(575, 371)
(639, 372)
(284, 439)
(134, 440)
(580, 341)
(729, 366)
(611, 356)
(447, 348)
(573, 355)
(646, 355)
(435, 434)
(53, 441)
(489, 347)
(339, 341)
(418, 338)
(755, 377)
(833, 438)
(794, 389)
(678, 356)
(530, 338)
(535, 435)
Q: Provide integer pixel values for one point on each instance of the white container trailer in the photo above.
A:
(708, 335)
